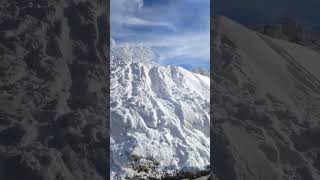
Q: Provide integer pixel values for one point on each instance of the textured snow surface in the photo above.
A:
(160, 122)
(266, 106)
(273, 64)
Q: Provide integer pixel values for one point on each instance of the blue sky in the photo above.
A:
(178, 31)
(251, 12)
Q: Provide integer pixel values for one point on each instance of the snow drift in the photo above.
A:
(266, 106)
(160, 123)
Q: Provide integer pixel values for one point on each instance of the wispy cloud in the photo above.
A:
(193, 46)
(135, 21)
(177, 31)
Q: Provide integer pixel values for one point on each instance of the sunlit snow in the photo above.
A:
(160, 121)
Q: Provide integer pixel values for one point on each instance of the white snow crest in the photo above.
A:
(160, 121)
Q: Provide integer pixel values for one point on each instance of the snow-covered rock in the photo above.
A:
(160, 122)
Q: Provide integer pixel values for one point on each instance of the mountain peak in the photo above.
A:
(160, 121)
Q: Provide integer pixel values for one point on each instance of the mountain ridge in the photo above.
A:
(159, 118)
(266, 106)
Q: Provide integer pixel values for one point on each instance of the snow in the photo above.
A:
(267, 67)
(308, 58)
(283, 69)
(160, 121)
(273, 89)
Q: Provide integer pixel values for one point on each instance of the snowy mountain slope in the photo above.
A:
(270, 62)
(266, 106)
(290, 30)
(53, 112)
(160, 123)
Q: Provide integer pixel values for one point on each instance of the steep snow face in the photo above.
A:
(266, 97)
(160, 122)
(277, 67)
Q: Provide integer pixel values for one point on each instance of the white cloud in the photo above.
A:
(170, 38)
(125, 6)
(191, 45)
(142, 22)
(123, 12)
